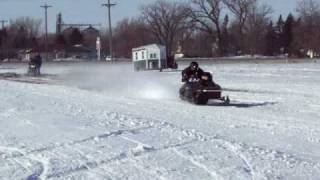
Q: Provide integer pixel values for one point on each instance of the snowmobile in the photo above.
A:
(33, 69)
(200, 91)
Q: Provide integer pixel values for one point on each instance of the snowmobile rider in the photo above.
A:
(37, 61)
(192, 73)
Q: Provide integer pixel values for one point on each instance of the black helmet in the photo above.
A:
(194, 65)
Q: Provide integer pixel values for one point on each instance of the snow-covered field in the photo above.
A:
(103, 121)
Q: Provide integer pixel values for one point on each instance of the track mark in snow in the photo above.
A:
(40, 174)
(198, 164)
(44, 166)
(90, 165)
(49, 148)
(236, 150)
(141, 148)
(230, 146)
(141, 168)
(22, 165)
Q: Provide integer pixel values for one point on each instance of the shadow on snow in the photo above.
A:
(241, 104)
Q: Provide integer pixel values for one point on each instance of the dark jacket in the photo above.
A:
(38, 61)
(188, 73)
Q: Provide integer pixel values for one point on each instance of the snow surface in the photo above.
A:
(103, 121)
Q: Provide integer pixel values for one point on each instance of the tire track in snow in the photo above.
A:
(22, 153)
(190, 133)
(41, 174)
(203, 138)
(236, 150)
(120, 157)
(44, 164)
(233, 147)
(198, 164)
(149, 172)
(22, 165)
(174, 149)
(89, 159)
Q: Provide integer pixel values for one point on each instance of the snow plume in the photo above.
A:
(153, 90)
(121, 81)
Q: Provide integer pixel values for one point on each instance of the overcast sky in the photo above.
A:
(90, 11)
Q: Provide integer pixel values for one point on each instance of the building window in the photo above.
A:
(155, 55)
(136, 56)
(142, 55)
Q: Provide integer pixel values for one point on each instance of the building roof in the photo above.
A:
(148, 46)
(91, 30)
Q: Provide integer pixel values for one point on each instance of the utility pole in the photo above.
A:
(3, 22)
(109, 5)
(45, 6)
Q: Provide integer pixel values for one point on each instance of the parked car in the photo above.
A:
(108, 58)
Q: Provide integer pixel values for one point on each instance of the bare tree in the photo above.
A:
(207, 14)
(308, 8)
(256, 27)
(241, 10)
(23, 33)
(308, 33)
(31, 26)
(167, 21)
(130, 34)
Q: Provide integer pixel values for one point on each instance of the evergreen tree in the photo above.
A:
(271, 40)
(279, 31)
(287, 34)
(225, 35)
(3, 36)
(280, 25)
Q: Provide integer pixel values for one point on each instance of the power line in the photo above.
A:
(45, 6)
(109, 5)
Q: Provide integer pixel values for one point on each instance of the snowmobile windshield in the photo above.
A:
(205, 78)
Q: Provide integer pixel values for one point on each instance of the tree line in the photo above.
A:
(201, 28)
(215, 28)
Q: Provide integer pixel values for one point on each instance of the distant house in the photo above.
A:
(312, 54)
(25, 54)
(149, 57)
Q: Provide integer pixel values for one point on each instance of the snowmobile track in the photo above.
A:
(198, 164)
(49, 148)
(21, 78)
(93, 164)
(235, 148)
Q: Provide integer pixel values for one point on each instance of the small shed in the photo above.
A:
(25, 54)
(149, 57)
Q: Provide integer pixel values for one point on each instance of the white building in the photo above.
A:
(149, 57)
(312, 54)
